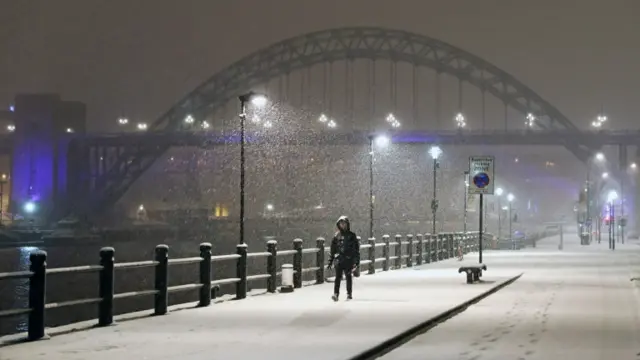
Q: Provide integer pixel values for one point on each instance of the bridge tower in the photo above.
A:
(43, 126)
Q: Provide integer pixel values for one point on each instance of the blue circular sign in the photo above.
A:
(481, 180)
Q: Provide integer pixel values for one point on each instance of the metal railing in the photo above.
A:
(419, 248)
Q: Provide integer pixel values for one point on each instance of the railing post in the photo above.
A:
(320, 260)
(297, 263)
(450, 245)
(372, 255)
(398, 251)
(434, 250)
(272, 260)
(37, 294)
(105, 287)
(386, 252)
(427, 247)
(205, 274)
(420, 249)
(241, 271)
(410, 250)
(162, 280)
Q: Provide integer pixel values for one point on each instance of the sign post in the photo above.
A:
(481, 172)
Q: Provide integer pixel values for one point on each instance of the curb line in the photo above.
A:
(394, 342)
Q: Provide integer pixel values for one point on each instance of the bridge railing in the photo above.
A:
(397, 252)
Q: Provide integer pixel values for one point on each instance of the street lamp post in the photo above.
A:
(499, 192)
(466, 194)
(258, 100)
(3, 180)
(510, 199)
(435, 153)
(611, 198)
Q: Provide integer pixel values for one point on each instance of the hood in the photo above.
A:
(345, 219)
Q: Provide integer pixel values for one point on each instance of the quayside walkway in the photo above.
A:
(307, 324)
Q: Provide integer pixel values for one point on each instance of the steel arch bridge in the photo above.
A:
(127, 164)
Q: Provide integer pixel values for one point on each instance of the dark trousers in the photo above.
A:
(345, 269)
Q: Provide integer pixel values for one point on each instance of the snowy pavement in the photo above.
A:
(283, 326)
(574, 304)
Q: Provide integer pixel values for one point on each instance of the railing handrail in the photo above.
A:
(419, 247)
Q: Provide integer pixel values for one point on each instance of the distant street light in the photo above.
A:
(530, 120)
(122, 121)
(3, 180)
(142, 126)
(510, 199)
(633, 166)
(205, 125)
(257, 100)
(331, 124)
(269, 207)
(69, 130)
(435, 153)
(499, 191)
(460, 120)
(189, 119)
(391, 119)
(605, 175)
(600, 156)
(11, 128)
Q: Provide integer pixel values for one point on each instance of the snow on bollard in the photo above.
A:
(287, 278)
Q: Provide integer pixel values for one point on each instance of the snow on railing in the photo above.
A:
(419, 248)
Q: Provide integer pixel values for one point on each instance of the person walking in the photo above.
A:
(345, 253)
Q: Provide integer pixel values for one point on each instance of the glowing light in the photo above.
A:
(602, 118)
(382, 141)
(391, 119)
(612, 196)
(11, 128)
(268, 124)
(142, 126)
(599, 156)
(255, 119)
(29, 207)
(269, 207)
(205, 125)
(510, 197)
(259, 100)
(323, 118)
(189, 119)
(123, 121)
(332, 124)
(596, 124)
(435, 152)
(530, 120)
(605, 175)
(633, 166)
(69, 130)
(12, 108)
(499, 191)
(141, 207)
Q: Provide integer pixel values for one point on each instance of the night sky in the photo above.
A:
(139, 57)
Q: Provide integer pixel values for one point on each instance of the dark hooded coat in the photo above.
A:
(345, 247)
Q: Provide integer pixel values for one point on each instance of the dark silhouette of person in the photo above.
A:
(345, 253)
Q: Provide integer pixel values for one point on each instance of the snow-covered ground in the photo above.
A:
(306, 324)
(577, 304)
(574, 304)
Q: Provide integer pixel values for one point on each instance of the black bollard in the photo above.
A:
(37, 294)
(297, 263)
(205, 274)
(410, 250)
(372, 255)
(398, 251)
(162, 280)
(420, 249)
(272, 248)
(106, 286)
(241, 271)
(386, 252)
(320, 260)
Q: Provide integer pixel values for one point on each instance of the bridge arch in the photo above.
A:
(362, 43)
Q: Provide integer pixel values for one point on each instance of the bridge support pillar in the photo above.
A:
(44, 124)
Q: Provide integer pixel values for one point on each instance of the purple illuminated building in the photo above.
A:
(43, 125)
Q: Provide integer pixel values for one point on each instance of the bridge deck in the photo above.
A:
(307, 322)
